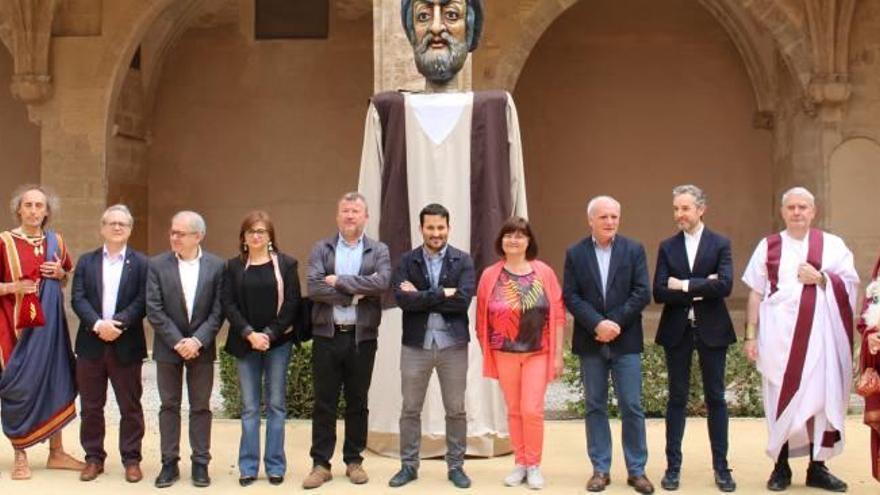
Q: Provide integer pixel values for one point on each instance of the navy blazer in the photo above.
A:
(456, 272)
(713, 322)
(87, 302)
(628, 292)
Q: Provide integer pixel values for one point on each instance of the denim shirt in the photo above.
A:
(348, 262)
(436, 333)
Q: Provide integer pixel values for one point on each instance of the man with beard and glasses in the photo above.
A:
(458, 148)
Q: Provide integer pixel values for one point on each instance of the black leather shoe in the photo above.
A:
(671, 480)
(818, 476)
(168, 475)
(200, 476)
(780, 478)
(276, 480)
(458, 478)
(404, 476)
(247, 480)
(724, 480)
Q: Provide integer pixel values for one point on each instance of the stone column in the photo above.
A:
(26, 28)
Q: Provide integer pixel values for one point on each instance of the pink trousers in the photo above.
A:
(523, 380)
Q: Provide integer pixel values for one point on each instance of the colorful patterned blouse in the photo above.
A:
(518, 312)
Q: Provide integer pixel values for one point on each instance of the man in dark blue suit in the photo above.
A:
(694, 274)
(606, 287)
(109, 296)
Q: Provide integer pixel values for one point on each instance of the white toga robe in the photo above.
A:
(438, 151)
(823, 393)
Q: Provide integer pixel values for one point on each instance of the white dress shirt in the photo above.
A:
(691, 244)
(111, 276)
(189, 280)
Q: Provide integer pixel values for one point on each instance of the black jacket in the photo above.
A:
(456, 272)
(627, 294)
(87, 300)
(232, 296)
(713, 257)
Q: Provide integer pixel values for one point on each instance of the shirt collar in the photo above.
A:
(429, 255)
(341, 240)
(192, 261)
(120, 256)
(599, 246)
(696, 235)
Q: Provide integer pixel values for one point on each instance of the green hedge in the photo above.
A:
(743, 385)
(300, 393)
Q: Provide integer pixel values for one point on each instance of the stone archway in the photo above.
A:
(854, 174)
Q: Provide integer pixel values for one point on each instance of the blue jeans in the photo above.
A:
(626, 373)
(251, 371)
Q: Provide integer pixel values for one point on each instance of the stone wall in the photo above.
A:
(632, 105)
(19, 141)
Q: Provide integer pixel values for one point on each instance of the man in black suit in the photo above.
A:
(694, 274)
(183, 305)
(606, 287)
(109, 297)
(434, 284)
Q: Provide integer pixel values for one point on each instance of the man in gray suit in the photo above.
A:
(348, 274)
(183, 306)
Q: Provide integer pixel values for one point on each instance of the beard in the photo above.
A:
(440, 66)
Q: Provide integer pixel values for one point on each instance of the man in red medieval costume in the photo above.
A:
(37, 387)
(803, 286)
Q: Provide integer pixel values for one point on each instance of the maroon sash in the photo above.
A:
(791, 380)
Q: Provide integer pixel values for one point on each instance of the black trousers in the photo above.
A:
(339, 363)
(199, 382)
(712, 364)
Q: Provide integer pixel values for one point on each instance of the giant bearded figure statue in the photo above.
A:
(459, 149)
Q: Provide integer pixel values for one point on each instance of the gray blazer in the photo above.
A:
(166, 307)
(371, 282)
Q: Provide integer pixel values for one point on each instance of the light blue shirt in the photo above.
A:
(437, 331)
(348, 262)
(603, 259)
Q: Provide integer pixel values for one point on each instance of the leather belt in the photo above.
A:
(344, 328)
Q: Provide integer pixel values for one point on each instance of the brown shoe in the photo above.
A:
(640, 483)
(598, 482)
(317, 477)
(91, 471)
(133, 473)
(355, 472)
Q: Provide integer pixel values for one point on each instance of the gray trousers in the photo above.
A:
(199, 382)
(416, 367)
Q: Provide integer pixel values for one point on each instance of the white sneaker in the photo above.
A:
(516, 477)
(534, 478)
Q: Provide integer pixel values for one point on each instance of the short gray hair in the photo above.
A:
(354, 196)
(196, 222)
(799, 191)
(52, 202)
(696, 192)
(598, 199)
(120, 208)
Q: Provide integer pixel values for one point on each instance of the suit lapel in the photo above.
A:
(593, 265)
(174, 273)
(616, 256)
(681, 254)
(126, 273)
(99, 273)
(200, 286)
(702, 248)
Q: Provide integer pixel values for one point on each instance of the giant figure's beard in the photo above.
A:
(440, 66)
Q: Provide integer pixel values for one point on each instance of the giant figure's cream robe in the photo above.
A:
(821, 394)
(438, 144)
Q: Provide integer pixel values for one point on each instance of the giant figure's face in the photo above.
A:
(440, 38)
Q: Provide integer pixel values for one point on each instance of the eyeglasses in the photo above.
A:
(176, 234)
(260, 232)
(117, 225)
(514, 235)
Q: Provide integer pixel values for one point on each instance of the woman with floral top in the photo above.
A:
(520, 315)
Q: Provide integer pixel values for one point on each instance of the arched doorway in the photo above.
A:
(19, 138)
(630, 98)
(225, 123)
